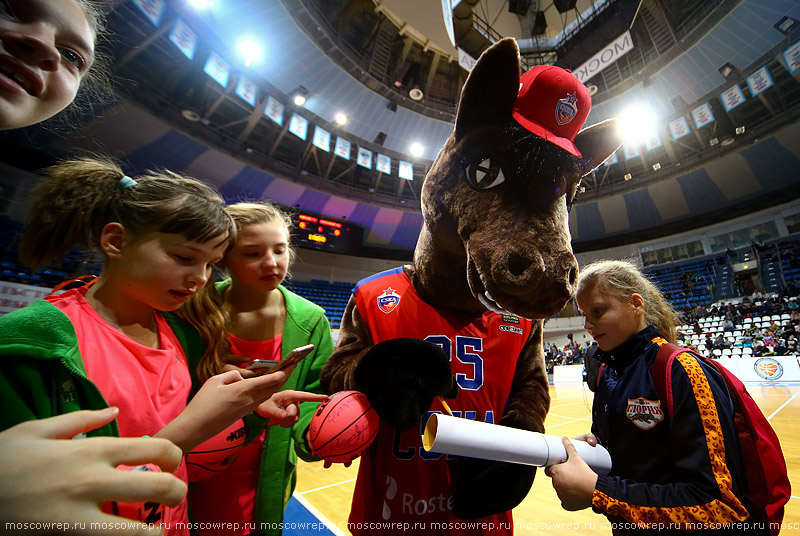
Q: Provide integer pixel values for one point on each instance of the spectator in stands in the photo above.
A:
(252, 315)
(792, 347)
(628, 317)
(780, 347)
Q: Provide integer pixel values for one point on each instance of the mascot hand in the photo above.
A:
(402, 376)
(486, 487)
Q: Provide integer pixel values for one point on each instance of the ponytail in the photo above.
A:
(79, 197)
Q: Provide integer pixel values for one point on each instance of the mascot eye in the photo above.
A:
(485, 175)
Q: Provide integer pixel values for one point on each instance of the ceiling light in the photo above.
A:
(250, 51)
(201, 4)
(300, 95)
(415, 94)
(627, 176)
(713, 141)
(416, 149)
(656, 166)
(592, 89)
(740, 129)
(340, 118)
(638, 123)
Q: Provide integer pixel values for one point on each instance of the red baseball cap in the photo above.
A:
(553, 104)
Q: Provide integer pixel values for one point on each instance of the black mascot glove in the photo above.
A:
(486, 487)
(402, 376)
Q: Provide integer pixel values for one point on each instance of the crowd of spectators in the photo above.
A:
(764, 333)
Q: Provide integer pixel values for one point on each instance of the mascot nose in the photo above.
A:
(554, 273)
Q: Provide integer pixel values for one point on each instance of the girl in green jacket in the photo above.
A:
(254, 316)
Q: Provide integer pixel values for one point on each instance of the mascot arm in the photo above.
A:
(400, 377)
(486, 487)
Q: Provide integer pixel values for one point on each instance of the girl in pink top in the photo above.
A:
(160, 234)
(47, 53)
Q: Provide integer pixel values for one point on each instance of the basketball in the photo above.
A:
(152, 513)
(215, 455)
(343, 427)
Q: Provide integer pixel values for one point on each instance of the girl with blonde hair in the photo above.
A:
(682, 471)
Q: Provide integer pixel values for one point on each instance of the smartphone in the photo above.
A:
(261, 364)
(293, 357)
(290, 359)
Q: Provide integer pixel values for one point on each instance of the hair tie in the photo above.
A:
(126, 182)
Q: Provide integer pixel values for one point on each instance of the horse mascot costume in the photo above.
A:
(464, 321)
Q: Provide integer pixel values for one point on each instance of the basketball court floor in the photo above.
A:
(325, 494)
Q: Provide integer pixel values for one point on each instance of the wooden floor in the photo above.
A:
(327, 492)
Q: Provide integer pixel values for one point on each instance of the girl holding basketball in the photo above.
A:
(254, 316)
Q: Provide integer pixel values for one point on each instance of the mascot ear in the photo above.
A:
(491, 88)
(597, 142)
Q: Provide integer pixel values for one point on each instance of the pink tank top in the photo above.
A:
(150, 386)
(230, 496)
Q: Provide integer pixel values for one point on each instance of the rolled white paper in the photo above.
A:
(476, 439)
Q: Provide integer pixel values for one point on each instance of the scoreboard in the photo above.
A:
(314, 231)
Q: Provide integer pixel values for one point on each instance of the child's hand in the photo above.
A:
(573, 480)
(283, 408)
(587, 438)
(46, 477)
(220, 401)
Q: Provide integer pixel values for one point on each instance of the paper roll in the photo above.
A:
(476, 439)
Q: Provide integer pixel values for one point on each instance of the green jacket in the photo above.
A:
(42, 373)
(305, 323)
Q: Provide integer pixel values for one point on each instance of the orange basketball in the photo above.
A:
(343, 427)
(215, 455)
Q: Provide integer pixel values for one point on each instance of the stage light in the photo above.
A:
(341, 119)
(638, 123)
(416, 149)
(250, 51)
(300, 95)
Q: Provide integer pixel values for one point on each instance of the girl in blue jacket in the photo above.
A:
(683, 473)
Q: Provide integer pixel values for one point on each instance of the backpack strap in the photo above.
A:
(662, 373)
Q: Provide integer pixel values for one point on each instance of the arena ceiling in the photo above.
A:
(345, 56)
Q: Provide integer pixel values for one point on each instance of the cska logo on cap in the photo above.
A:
(387, 302)
(566, 109)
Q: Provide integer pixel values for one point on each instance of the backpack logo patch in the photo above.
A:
(644, 413)
(768, 368)
(388, 300)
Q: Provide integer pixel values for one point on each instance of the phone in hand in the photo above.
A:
(290, 359)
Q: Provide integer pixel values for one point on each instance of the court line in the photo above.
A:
(568, 422)
(330, 525)
(325, 487)
(783, 406)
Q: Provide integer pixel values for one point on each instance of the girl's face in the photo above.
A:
(46, 46)
(163, 270)
(260, 258)
(608, 319)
